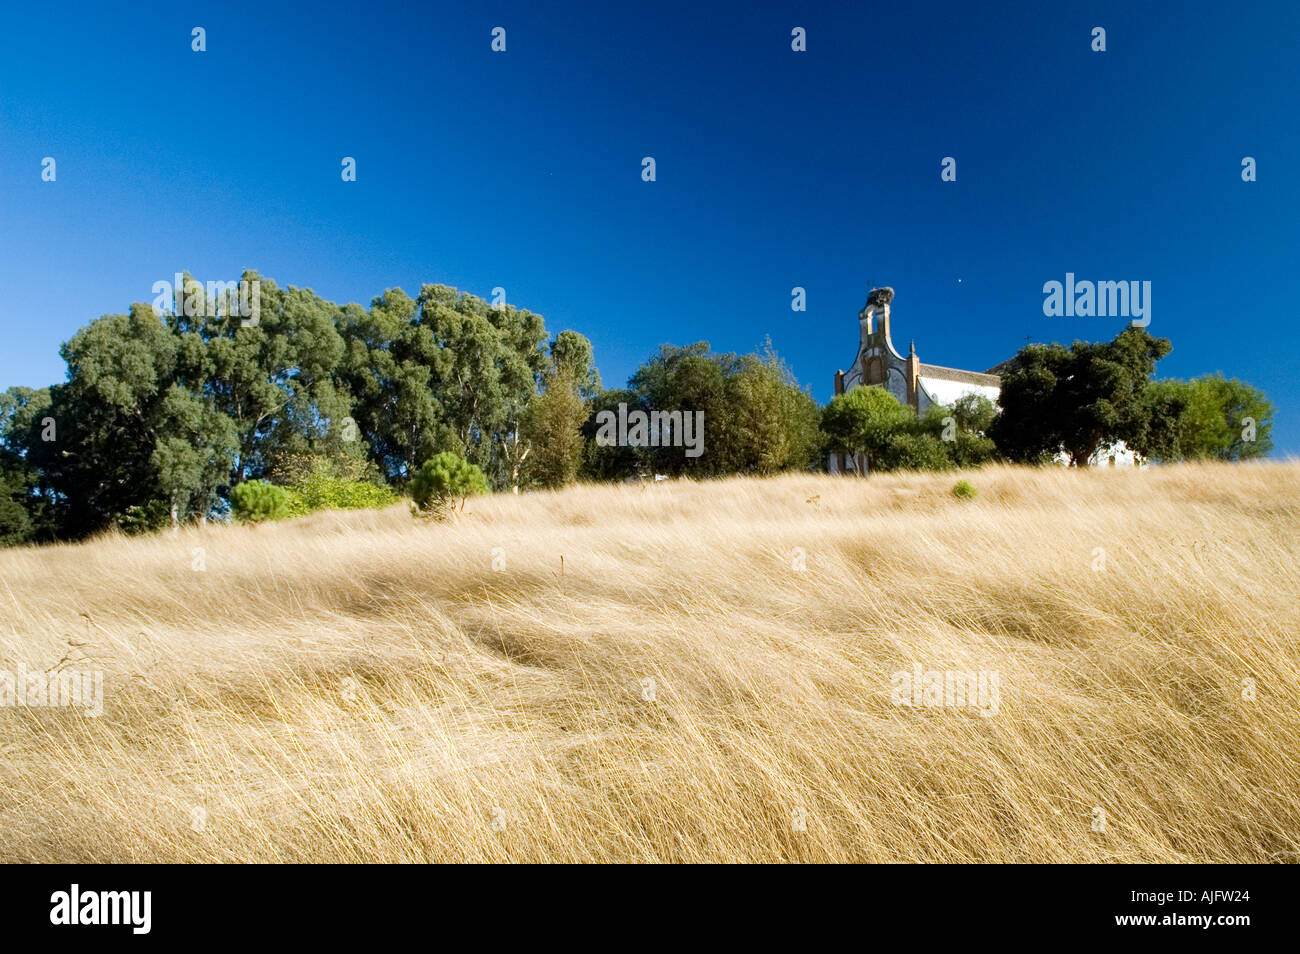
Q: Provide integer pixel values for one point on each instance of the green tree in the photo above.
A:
(106, 420)
(1249, 414)
(688, 379)
(277, 378)
(22, 411)
(572, 353)
(1079, 398)
(552, 432)
(1031, 428)
(974, 413)
(551, 428)
(1209, 418)
(1172, 418)
(615, 462)
(445, 480)
(971, 449)
(194, 448)
(863, 421)
(770, 424)
(963, 429)
(941, 438)
(15, 523)
(488, 359)
(756, 417)
(392, 368)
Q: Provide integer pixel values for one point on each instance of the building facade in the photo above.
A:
(920, 385)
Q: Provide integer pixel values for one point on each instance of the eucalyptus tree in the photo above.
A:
(274, 376)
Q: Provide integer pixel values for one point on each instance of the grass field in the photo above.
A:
(710, 677)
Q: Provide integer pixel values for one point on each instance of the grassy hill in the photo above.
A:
(711, 677)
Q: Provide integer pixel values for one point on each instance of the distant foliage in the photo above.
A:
(908, 450)
(320, 483)
(551, 426)
(444, 482)
(1084, 397)
(169, 407)
(870, 423)
(1209, 418)
(15, 524)
(255, 501)
(149, 517)
(442, 370)
(772, 425)
(186, 403)
(864, 421)
(1079, 398)
(23, 508)
(757, 419)
(552, 431)
(615, 462)
(310, 484)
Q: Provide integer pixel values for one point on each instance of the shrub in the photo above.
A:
(965, 490)
(972, 450)
(295, 503)
(906, 451)
(321, 487)
(256, 500)
(149, 517)
(443, 480)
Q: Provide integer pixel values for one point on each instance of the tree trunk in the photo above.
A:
(518, 461)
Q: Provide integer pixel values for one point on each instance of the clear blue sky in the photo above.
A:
(775, 169)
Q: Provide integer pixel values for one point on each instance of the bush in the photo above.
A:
(965, 490)
(972, 450)
(295, 504)
(256, 500)
(321, 487)
(907, 451)
(443, 480)
(306, 483)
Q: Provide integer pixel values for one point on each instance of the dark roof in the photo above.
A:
(965, 377)
(1002, 368)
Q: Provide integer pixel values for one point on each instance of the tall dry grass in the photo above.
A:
(366, 687)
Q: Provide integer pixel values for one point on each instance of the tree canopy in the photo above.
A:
(166, 412)
(1078, 399)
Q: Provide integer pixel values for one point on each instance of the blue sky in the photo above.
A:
(775, 169)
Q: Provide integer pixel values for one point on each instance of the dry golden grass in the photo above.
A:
(367, 687)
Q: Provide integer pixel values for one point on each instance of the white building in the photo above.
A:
(920, 386)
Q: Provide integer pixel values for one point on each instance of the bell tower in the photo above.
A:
(877, 362)
(876, 310)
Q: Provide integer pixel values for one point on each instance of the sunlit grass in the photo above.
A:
(679, 672)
